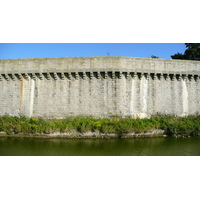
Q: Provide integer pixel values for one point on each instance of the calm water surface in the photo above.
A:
(100, 147)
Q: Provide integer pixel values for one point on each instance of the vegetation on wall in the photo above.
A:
(154, 56)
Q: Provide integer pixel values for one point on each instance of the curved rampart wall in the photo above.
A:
(60, 87)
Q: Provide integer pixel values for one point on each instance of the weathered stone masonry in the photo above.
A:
(60, 87)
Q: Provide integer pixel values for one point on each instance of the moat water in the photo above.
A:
(100, 147)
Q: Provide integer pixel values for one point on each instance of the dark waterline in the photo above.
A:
(100, 147)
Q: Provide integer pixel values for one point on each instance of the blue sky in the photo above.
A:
(42, 50)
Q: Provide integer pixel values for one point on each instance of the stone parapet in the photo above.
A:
(99, 64)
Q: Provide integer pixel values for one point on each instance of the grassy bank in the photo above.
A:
(172, 125)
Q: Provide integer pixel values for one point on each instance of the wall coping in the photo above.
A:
(99, 64)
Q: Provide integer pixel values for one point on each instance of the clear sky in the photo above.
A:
(44, 50)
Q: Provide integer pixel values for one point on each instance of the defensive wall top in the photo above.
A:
(98, 64)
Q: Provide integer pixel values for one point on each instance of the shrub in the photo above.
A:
(171, 124)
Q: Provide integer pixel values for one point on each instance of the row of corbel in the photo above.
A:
(48, 76)
(98, 75)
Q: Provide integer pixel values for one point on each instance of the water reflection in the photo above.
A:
(100, 147)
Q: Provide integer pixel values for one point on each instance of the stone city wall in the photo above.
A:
(96, 86)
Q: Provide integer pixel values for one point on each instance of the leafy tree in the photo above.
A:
(191, 53)
(178, 56)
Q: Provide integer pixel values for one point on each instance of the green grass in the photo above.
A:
(172, 125)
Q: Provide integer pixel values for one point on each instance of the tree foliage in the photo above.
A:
(191, 53)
